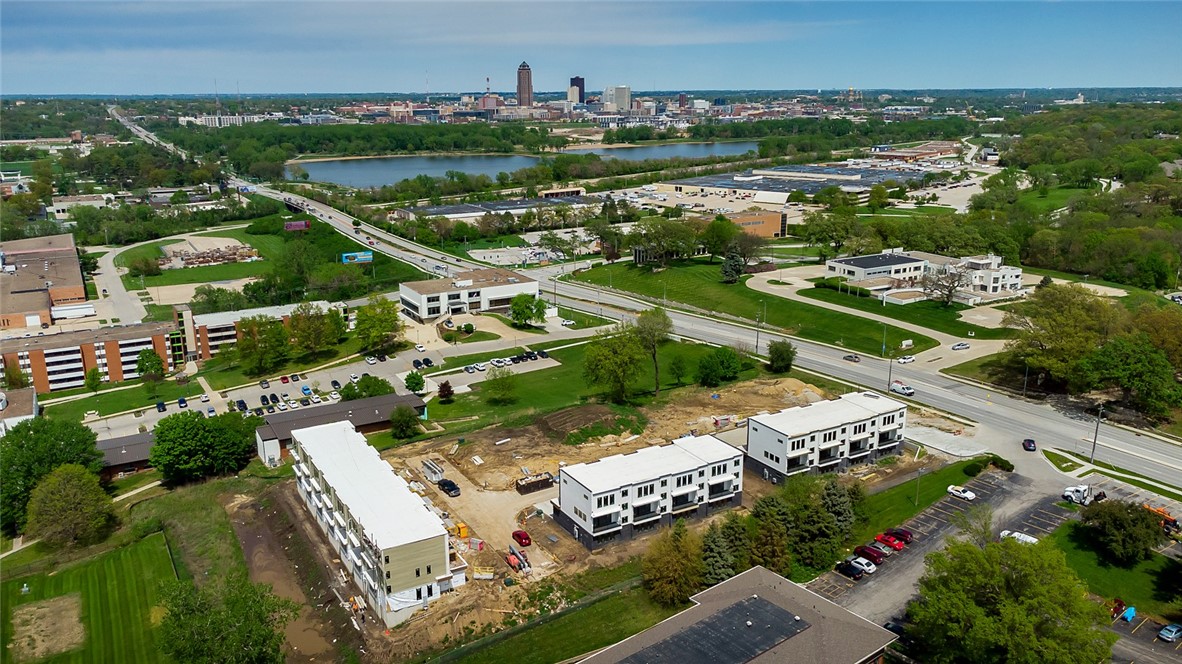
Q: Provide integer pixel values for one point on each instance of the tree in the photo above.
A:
(500, 385)
(149, 365)
(879, 198)
(415, 382)
(31, 450)
(93, 380)
(236, 622)
(718, 236)
(836, 501)
(263, 344)
(651, 330)
(404, 422)
(613, 361)
(378, 324)
(15, 377)
(673, 566)
(525, 309)
(181, 197)
(829, 231)
(1126, 532)
(1060, 325)
(447, 393)
(975, 524)
(69, 507)
(678, 368)
(719, 366)
(738, 542)
(732, 267)
(366, 387)
(718, 564)
(189, 446)
(943, 284)
(781, 355)
(1006, 602)
(662, 239)
(1143, 373)
(311, 328)
(770, 547)
(749, 246)
(1044, 282)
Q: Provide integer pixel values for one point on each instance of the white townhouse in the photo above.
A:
(622, 495)
(486, 289)
(393, 546)
(825, 436)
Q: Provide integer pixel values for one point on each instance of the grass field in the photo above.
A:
(452, 336)
(697, 283)
(529, 329)
(221, 377)
(929, 314)
(595, 626)
(152, 250)
(1056, 197)
(991, 369)
(117, 401)
(892, 507)
(1152, 585)
(1061, 462)
(462, 248)
(582, 320)
(25, 167)
(118, 592)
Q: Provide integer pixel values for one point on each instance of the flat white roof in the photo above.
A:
(381, 502)
(619, 470)
(227, 317)
(824, 415)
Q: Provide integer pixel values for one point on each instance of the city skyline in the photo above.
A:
(267, 47)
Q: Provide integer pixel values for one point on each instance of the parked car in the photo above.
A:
(264, 384)
(284, 379)
(307, 391)
(293, 405)
(417, 364)
(906, 359)
(890, 541)
(258, 411)
(961, 492)
(1029, 445)
(371, 360)
(851, 570)
(336, 384)
(480, 366)
(204, 398)
(270, 409)
(566, 322)
(866, 566)
(530, 355)
(316, 398)
(497, 362)
(305, 401)
(449, 487)
(870, 553)
(382, 357)
(353, 378)
(209, 412)
(427, 362)
(543, 354)
(282, 406)
(295, 378)
(241, 405)
(265, 400)
(516, 359)
(1170, 633)
(274, 399)
(160, 407)
(885, 550)
(1021, 537)
(963, 345)
(182, 403)
(421, 348)
(852, 358)
(901, 534)
(334, 395)
(522, 538)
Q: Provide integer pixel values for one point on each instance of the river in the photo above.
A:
(388, 170)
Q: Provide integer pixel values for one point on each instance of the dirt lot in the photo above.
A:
(48, 627)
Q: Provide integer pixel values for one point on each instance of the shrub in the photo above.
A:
(833, 283)
(973, 469)
(147, 527)
(1001, 463)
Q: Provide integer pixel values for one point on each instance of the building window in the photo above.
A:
(428, 569)
(387, 574)
(418, 593)
(829, 436)
(605, 501)
(430, 591)
(452, 297)
(388, 590)
(684, 480)
(387, 560)
(433, 298)
(644, 491)
(473, 294)
(418, 571)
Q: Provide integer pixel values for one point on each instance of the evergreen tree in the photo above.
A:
(732, 267)
(770, 548)
(836, 501)
(717, 562)
(673, 566)
(738, 543)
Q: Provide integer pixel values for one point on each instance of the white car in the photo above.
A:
(864, 565)
(567, 322)
(421, 348)
(316, 398)
(480, 366)
(353, 378)
(964, 345)
(1021, 537)
(293, 405)
(282, 406)
(902, 388)
(961, 492)
(906, 359)
(371, 360)
(204, 398)
(334, 395)
(497, 362)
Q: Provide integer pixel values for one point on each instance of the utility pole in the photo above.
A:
(1096, 436)
(884, 340)
(1025, 380)
(890, 372)
(918, 474)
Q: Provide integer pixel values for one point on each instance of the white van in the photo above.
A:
(1021, 537)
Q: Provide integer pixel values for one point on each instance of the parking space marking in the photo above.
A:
(1143, 621)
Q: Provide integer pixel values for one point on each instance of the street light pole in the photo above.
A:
(1025, 379)
(1096, 436)
(884, 340)
(918, 474)
(890, 372)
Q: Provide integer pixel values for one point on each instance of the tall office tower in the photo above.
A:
(525, 86)
(577, 82)
(572, 95)
(682, 100)
(620, 95)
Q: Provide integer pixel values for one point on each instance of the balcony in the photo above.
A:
(604, 524)
(685, 501)
(721, 489)
(645, 513)
(827, 460)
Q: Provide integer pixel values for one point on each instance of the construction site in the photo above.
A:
(197, 250)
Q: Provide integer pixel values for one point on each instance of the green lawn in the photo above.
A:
(118, 592)
(529, 329)
(452, 336)
(583, 630)
(24, 167)
(582, 320)
(991, 369)
(697, 283)
(152, 251)
(1061, 462)
(930, 314)
(1056, 197)
(1152, 585)
(117, 401)
(890, 508)
(462, 248)
(270, 247)
(222, 377)
(158, 313)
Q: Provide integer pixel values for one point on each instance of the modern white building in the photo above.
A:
(622, 495)
(894, 269)
(393, 546)
(898, 266)
(826, 436)
(486, 289)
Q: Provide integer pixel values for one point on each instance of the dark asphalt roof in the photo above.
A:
(126, 449)
(877, 260)
(361, 412)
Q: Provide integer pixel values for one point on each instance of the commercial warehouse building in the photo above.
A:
(826, 436)
(41, 280)
(471, 212)
(393, 546)
(60, 361)
(773, 185)
(486, 289)
(766, 224)
(622, 495)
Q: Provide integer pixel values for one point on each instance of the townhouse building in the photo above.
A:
(621, 496)
(394, 548)
(826, 436)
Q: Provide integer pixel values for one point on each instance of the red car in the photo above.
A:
(900, 534)
(870, 554)
(895, 544)
(284, 379)
(522, 538)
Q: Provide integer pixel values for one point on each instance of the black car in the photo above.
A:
(160, 407)
(381, 358)
(850, 570)
(270, 409)
(531, 355)
(258, 411)
(1029, 445)
(274, 399)
(449, 487)
(543, 353)
(427, 362)
(516, 359)
(295, 378)
(241, 405)
(417, 364)
(305, 401)
(336, 385)
(265, 400)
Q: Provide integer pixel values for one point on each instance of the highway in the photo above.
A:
(1004, 420)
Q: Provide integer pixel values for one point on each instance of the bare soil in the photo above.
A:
(46, 628)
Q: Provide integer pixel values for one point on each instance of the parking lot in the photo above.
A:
(1139, 642)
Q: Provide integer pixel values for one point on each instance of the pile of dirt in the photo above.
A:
(558, 425)
(45, 628)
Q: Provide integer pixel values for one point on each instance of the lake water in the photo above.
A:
(388, 170)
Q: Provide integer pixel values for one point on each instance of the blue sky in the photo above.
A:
(164, 47)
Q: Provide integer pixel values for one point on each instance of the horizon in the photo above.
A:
(171, 48)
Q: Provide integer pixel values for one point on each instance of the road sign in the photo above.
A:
(357, 257)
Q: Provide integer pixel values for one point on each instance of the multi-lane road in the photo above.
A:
(1005, 420)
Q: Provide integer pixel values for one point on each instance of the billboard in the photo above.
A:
(357, 257)
(297, 225)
